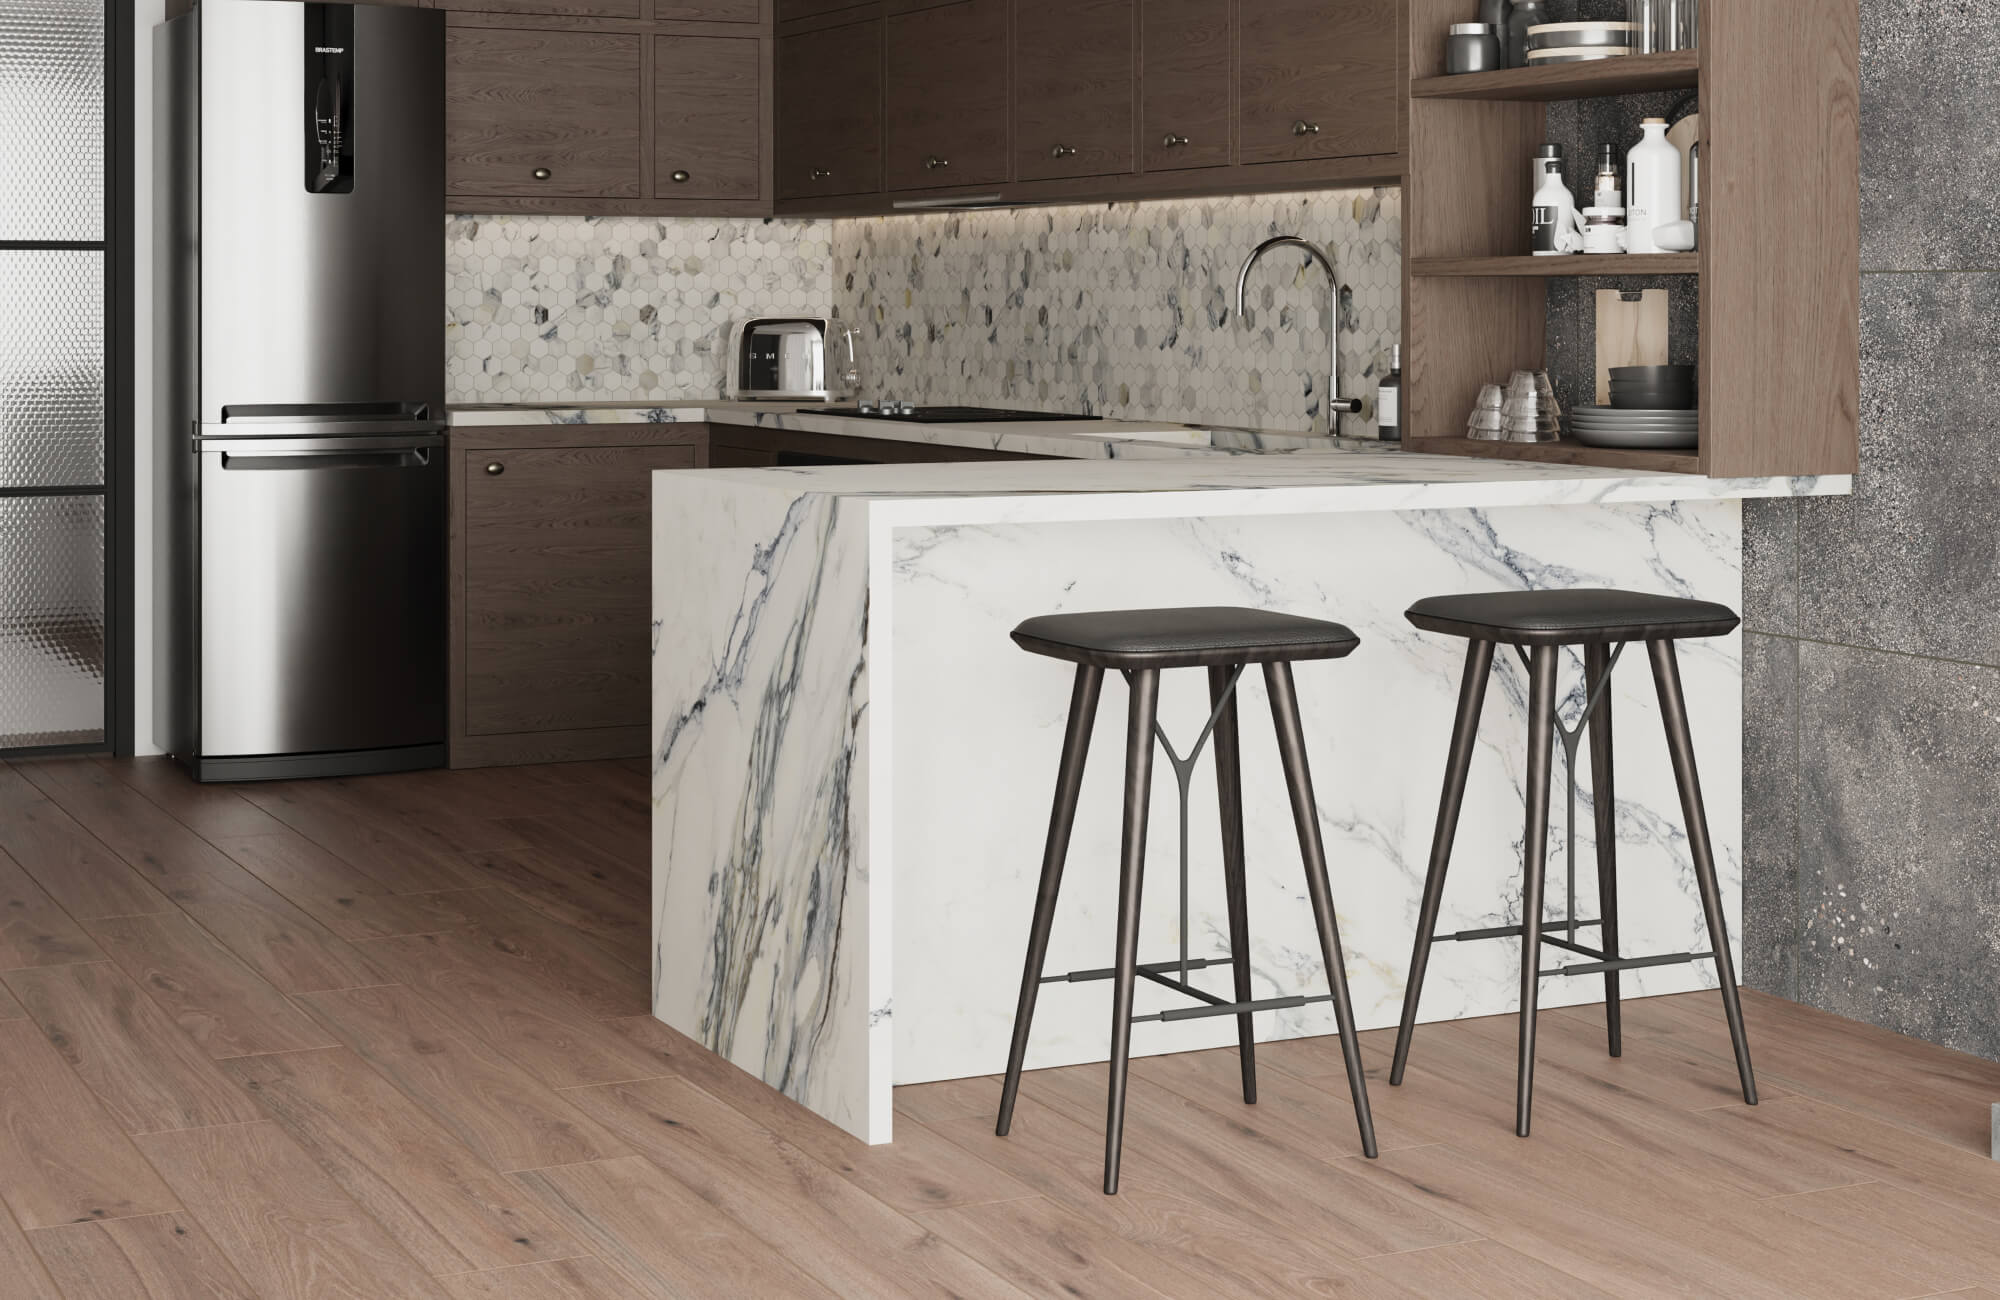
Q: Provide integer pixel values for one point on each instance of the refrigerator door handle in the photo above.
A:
(236, 460)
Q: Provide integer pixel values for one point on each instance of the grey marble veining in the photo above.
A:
(851, 759)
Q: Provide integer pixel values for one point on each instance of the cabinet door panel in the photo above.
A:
(1183, 84)
(1072, 88)
(707, 117)
(1316, 79)
(830, 111)
(945, 97)
(558, 598)
(518, 102)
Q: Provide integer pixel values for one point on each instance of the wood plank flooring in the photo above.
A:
(388, 1037)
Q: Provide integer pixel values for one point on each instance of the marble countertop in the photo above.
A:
(1160, 470)
(1067, 439)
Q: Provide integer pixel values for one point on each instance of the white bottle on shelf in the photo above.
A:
(1652, 187)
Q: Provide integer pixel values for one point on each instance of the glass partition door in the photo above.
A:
(56, 333)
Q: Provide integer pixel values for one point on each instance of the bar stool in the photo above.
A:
(1538, 624)
(1141, 643)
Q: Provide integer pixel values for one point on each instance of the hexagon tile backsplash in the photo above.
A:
(1125, 310)
(614, 309)
(1128, 309)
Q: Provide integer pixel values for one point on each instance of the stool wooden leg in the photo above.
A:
(1534, 855)
(1069, 780)
(1464, 736)
(1680, 745)
(1604, 812)
(1298, 779)
(1229, 795)
(1131, 876)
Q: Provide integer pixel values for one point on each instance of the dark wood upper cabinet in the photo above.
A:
(539, 113)
(1073, 87)
(1317, 79)
(945, 96)
(1183, 84)
(708, 11)
(708, 117)
(830, 111)
(560, 8)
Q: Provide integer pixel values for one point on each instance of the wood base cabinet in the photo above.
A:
(550, 590)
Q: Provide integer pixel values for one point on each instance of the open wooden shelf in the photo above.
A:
(1550, 267)
(1630, 75)
(1562, 453)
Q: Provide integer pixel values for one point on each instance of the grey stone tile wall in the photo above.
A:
(1872, 682)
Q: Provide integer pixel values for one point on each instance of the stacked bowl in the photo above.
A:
(1652, 408)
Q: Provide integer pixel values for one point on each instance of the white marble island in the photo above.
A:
(852, 763)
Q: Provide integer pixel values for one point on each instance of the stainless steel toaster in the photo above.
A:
(780, 358)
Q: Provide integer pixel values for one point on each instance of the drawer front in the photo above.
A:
(557, 595)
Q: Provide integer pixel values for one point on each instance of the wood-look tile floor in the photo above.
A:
(387, 1037)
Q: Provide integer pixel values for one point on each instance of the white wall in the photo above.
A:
(146, 15)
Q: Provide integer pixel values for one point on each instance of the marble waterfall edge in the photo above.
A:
(853, 762)
(759, 767)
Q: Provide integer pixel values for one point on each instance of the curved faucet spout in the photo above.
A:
(1335, 404)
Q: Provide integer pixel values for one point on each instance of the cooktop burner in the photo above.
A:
(938, 414)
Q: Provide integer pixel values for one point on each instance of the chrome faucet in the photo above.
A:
(1336, 405)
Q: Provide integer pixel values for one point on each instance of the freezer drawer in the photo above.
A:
(322, 594)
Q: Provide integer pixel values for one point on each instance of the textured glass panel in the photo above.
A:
(51, 119)
(51, 369)
(51, 621)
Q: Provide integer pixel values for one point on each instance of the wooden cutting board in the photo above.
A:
(1631, 331)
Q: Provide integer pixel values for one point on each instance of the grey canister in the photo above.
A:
(1494, 14)
(1471, 47)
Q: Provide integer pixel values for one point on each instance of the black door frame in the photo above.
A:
(117, 490)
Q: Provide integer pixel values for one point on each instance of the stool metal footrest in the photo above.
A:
(1110, 972)
(1234, 1008)
(1630, 963)
(1513, 931)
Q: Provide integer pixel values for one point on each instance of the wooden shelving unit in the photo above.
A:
(1562, 453)
(1532, 267)
(1778, 268)
(1680, 70)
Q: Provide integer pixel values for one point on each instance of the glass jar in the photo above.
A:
(1646, 19)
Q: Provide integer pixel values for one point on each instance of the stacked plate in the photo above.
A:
(1606, 426)
(1578, 42)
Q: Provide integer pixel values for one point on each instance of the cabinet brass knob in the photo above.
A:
(1062, 151)
(542, 173)
(1303, 127)
(1175, 142)
(822, 174)
(496, 468)
(679, 177)
(935, 163)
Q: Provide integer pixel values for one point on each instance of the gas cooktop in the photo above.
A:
(912, 414)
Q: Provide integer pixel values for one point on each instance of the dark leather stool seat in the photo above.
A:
(1583, 617)
(1183, 638)
(1141, 643)
(1538, 624)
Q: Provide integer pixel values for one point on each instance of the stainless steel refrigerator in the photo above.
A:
(300, 566)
